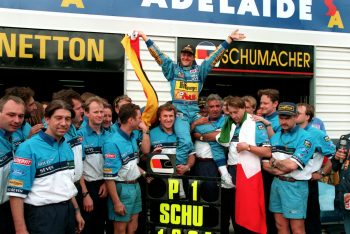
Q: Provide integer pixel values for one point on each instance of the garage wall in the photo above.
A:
(332, 89)
(133, 87)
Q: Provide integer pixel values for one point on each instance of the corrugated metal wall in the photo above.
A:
(332, 89)
(133, 87)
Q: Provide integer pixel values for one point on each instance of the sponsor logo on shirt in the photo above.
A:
(17, 172)
(22, 161)
(109, 155)
(307, 144)
(107, 170)
(16, 183)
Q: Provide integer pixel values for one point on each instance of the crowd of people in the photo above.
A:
(66, 167)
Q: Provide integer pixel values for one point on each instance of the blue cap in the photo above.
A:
(287, 108)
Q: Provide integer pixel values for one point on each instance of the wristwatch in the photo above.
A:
(85, 194)
(248, 148)
(321, 172)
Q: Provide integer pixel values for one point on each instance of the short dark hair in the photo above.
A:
(25, 93)
(273, 94)
(67, 95)
(128, 111)
(58, 104)
(6, 98)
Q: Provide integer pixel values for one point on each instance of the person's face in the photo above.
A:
(120, 104)
(287, 122)
(214, 109)
(203, 110)
(167, 119)
(186, 59)
(58, 124)
(107, 117)
(259, 112)
(11, 116)
(95, 114)
(302, 117)
(224, 108)
(79, 113)
(236, 114)
(249, 108)
(267, 106)
(30, 106)
(135, 122)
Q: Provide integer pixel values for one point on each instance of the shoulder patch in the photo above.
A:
(261, 127)
(326, 138)
(307, 144)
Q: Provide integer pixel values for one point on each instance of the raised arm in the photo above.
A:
(141, 34)
(235, 36)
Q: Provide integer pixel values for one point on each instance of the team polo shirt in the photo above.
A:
(92, 150)
(295, 144)
(20, 135)
(72, 133)
(75, 143)
(42, 171)
(261, 139)
(202, 148)
(273, 119)
(159, 138)
(121, 157)
(323, 147)
(6, 157)
(137, 134)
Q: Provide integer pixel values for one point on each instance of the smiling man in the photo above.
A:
(186, 81)
(45, 187)
(11, 119)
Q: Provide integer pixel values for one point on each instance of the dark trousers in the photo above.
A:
(95, 221)
(313, 219)
(228, 198)
(6, 221)
(56, 218)
(209, 190)
(270, 219)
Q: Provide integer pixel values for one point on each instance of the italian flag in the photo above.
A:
(250, 203)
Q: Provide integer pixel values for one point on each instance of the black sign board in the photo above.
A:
(182, 204)
(47, 49)
(256, 58)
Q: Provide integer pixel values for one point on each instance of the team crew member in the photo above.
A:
(93, 194)
(118, 103)
(25, 131)
(268, 104)
(11, 119)
(121, 171)
(73, 98)
(247, 140)
(163, 138)
(323, 147)
(186, 82)
(292, 148)
(45, 183)
(210, 154)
